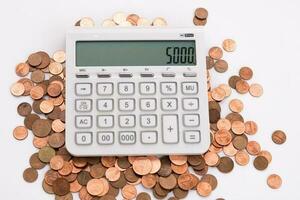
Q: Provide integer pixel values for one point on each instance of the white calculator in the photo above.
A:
(136, 91)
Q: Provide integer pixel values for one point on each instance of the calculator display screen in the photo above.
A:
(136, 53)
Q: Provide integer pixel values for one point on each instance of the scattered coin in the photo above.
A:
(61, 187)
(129, 192)
(246, 73)
(256, 90)
(236, 105)
(17, 89)
(226, 165)
(274, 181)
(22, 69)
(233, 80)
(142, 166)
(242, 87)
(279, 137)
(20, 132)
(260, 163)
(204, 189)
(242, 158)
(229, 45)
(221, 66)
(87, 22)
(46, 153)
(267, 155)
(143, 196)
(30, 175)
(251, 127)
(215, 53)
(24, 109)
(35, 59)
(253, 148)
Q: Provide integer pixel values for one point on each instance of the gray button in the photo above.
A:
(190, 74)
(147, 74)
(128, 137)
(168, 74)
(104, 75)
(125, 75)
(83, 138)
(82, 76)
(192, 136)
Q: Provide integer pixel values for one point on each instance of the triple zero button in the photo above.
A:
(127, 137)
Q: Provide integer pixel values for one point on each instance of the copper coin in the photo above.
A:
(59, 56)
(98, 187)
(149, 181)
(24, 109)
(242, 158)
(187, 181)
(56, 140)
(97, 171)
(168, 183)
(229, 45)
(37, 92)
(68, 196)
(17, 89)
(142, 166)
(179, 193)
(66, 169)
(223, 137)
(22, 69)
(236, 105)
(199, 22)
(267, 155)
(20, 132)
(51, 176)
(242, 87)
(196, 160)
(156, 164)
(129, 192)
(251, 127)
(279, 137)
(214, 115)
(61, 186)
(54, 89)
(56, 162)
(28, 84)
(209, 62)
(29, 120)
(36, 106)
(83, 178)
(119, 183)
(35, 162)
(30, 175)
(37, 76)
(253, 148)
(274, 181)
(256, 90)
(143, 196)
(226, 88)
(130, 175)
(47, 188)
(213, 105)
(224, 124)
(123, 162)
(218, 94)
(221, 66)
(226, 165)
(204, 189)
(133, 19)
(232, 117)
(165, 169)
(46, 106)
(45, 60)
(215, 53)
(211, 159)
(34, 59)
(179, 169)
(229, 150)
(178, 159)
(240, 142)
(41, 127)
(211, 179)
(58, 126)
(108, 161)
(246, 73)
(46, 153)
(238, 127)
(201, 13)
(40, 142)
(112, 174)
(233, 80)
(260, 163)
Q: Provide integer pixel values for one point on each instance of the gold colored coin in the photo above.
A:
(256, 90)
(87, 22)
(236, 105)
(17, 89)
(159, 21)
(215, 53)
(59, 57)
(229, 45)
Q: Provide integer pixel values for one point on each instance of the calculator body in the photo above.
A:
(136, 91)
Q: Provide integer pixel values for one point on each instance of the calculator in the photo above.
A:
(136, 91)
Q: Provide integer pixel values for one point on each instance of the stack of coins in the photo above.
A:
(200, 17)
(43, 79)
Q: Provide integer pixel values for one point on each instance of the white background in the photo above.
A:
(267, 33)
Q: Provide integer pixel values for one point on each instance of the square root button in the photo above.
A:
(192, 137)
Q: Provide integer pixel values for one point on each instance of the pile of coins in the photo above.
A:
(200, 17)
(105, 177)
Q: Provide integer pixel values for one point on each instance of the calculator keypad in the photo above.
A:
(128, 113)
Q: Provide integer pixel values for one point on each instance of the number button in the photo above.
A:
(148, 104)
(168, 88)
(169, 104)
(191, 120)
(104, 88)
(127, 137)
(105, 137)
(105, 121)
(149, 137)
(192, 136)
(126, 88)
(83, 105)
(148, 121)
(105, 105)
(190, 88)
(126, 104)
(83, 138)
(191, 104)
(127, 121)
(83, 121)
(147, 88)
(83, 89)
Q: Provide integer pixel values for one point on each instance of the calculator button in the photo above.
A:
(127, 121)
(149, 137)
(125, 75)
(83, 89)
(82, 76)
(105, 104)
(169, 104)
(104, 88)
(83, 121)
(170, 128)
(83, 105)
(190, 74)
(168, 88)
(147, 74)
(104, 75)
(105, 137)
(148, 104)
(126, 88)
(192, 136)
(191, 104)
(126, 104)
(148, 121)
(83, 138)
(127, 137)
(190, 88)
(168, 74)
(191, 120)
(147, 88)
(105, 121)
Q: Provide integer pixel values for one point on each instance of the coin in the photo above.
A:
(214, 115)
(98, 187)
(169, 182)
(112, 174)
(204, 189)
(24, 109)
(133, 19)
(260, 163)
(253, 148)
(30, 175)
(178, 159)
(199, 22)
(108, 23)
(28, 85)
(119, 17)
(233, 80)
(224, 124)
(165, 169)
(186, 181)
(229, 150)
(59, 57)
(225, 165)
(17, 89)
(211, 179)
(246, 73)
(86, 22)
(179, 193)
(129, 192)
(242, 158)
(232, 117)
(240, 142)
(274, 181)
(215, 53)
(46, 153)
(226, 88)
(201, 13)
(56, 162)
(143, 196)
(211, 159)
(40, 142)
(34, 59)
(35, 162)
(58, 126)
(256, 90)
(37, 76)
(41, 127)
(149, 181)
(229, 45)
(156, 164)
(238, 127)
(267, 155)
(223, 137)
(37, 92)
(61, 187)
(278, 137)
(55, 68)
(29, 120)
(209, 62)
(97, 171)
(251, 127)
(221, 66)
(83, 178)
(22, 69)
(218, 94)
(46, 106)
(242, 87)
(142, 166)
(236, 105)
(54, 89)
(179, 169)
(20, 132)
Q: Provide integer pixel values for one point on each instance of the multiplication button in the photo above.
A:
(83, 138)
(169, 104)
